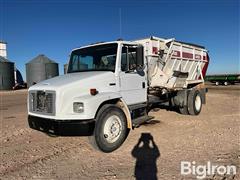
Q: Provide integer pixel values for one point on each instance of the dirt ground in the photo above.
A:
(213, 136)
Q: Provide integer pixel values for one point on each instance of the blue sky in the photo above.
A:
(54, 27)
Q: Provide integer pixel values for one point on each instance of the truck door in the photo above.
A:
(133, 85)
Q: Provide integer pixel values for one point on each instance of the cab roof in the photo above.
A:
(109, 42)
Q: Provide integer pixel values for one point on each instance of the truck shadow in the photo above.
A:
(167, 107)
(146, 153)
(150, 122)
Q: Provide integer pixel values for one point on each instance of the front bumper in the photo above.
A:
(62, 127)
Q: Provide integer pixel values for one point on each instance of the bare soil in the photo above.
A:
(214, 136)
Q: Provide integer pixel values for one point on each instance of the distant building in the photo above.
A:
(3, 49)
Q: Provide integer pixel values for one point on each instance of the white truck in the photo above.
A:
(110, 87)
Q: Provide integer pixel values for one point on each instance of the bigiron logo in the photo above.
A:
(201, 171)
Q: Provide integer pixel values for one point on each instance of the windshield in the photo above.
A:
(95, 58)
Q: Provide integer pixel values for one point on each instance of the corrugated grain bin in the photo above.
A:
(65, 68)
(6, 74)
(40, 68)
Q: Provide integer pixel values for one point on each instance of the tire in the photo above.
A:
(184, 110)
(217, 83)
(194, 102)
(225, 83)
(110, 130)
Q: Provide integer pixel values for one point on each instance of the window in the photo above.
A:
(128, 58)
(79, 62)
(95, 58)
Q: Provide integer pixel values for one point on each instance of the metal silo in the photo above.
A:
(65, 68)
(39, 69)
(6, 74)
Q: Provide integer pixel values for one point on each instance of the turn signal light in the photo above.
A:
(93, 92)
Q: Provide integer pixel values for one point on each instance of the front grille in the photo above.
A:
(42, 102)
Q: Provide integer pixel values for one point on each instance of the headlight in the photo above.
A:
(78, 107)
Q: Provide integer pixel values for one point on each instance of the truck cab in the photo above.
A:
(105, 78)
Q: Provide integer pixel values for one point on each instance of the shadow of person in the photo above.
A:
(146, 153)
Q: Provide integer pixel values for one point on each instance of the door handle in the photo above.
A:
(143, 84)
(112, 84)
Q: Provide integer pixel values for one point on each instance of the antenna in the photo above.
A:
(120, 22)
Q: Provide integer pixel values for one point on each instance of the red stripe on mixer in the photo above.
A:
(187, 55)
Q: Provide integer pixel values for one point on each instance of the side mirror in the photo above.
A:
(139, 56)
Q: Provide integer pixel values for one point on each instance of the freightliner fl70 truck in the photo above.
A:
(110, 87)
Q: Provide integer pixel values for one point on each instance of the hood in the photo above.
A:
(74, 78)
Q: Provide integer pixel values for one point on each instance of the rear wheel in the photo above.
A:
(110, 129)
(194, 102)
(225, 83)
(217, 83)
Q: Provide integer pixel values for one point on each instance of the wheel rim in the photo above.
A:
(112, 129)
(198, 103)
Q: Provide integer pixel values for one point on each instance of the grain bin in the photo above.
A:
(6, 74)
(39, 69)
(65, 67)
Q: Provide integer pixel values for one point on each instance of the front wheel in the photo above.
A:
(110, 129)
